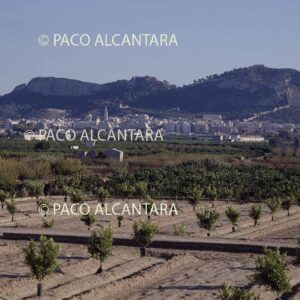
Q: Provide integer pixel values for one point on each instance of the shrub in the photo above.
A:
(207, 218)
(48, 224)
(66, 167)
(34, 169)
(255, 213)
(271, 271)
(235, 293)
(179, 230)
(88, 219)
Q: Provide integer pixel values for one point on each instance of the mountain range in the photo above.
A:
(235, 94)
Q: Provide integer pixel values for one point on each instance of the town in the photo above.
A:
(208, 127)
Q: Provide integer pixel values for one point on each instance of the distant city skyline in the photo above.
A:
(213, 37)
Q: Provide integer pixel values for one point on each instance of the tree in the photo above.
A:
(274, 204)
(141, 189)
(120, 219)
(207, 218)
(233, 216)
(35, 189)
(101, 194)
(144, 233)
(271, 270)
(76, 197)
(287, 204)
(194, 196)
(100, 245)
(3, 197)
(42, 259)
(212, 194)
(226, 193)
(125, 189)
(11, 208)
(88, 219)
(255, 213)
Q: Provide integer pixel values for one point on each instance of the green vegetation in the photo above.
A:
(207, 218)
(76, 197)
(287, 204)
(144, 233)
(179, 230)
(274, 204)
(11, 208)
(65, 167)
(141, 189)
(88, 219)
(233, 216)
(102, 194)
(271, 271)
(3, 197)
(255, 213)
(35, 190)
(212, 194)
(41, 259)
(234, 293)
(48, 223)
(244, 183)
(194, 196)
(100, 245)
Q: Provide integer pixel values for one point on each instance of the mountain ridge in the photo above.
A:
(236, 93)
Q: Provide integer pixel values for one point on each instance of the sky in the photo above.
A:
(213, 37)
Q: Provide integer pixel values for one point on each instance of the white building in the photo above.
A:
(212, 117)
(250, 138)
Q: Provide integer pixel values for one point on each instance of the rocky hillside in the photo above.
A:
(235, 94)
